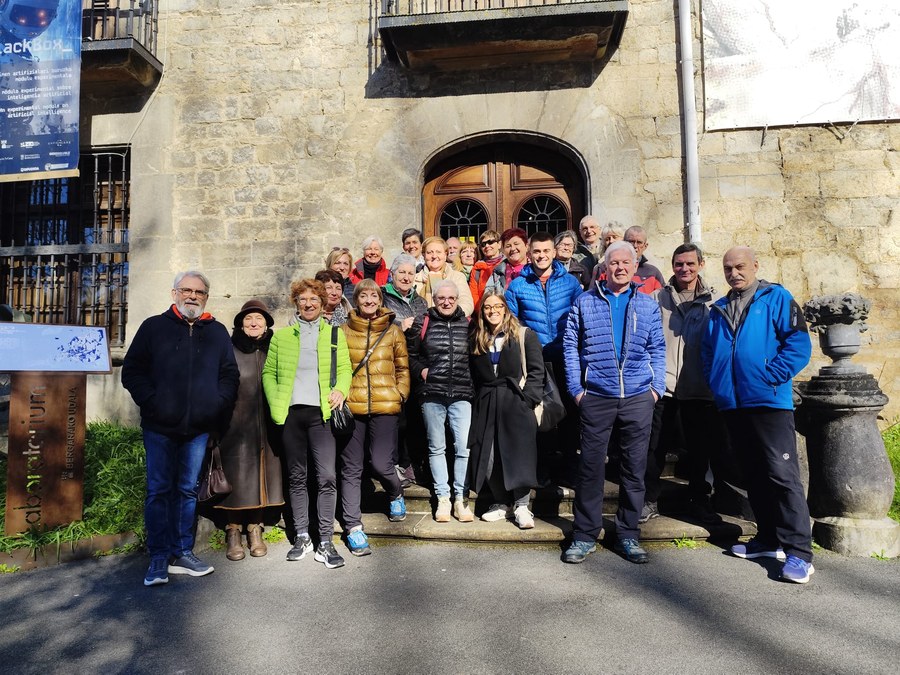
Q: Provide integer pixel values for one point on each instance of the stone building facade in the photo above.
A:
(279, 130)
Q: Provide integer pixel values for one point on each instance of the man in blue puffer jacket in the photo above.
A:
(755, 343)
(615, 356)
(541, 298)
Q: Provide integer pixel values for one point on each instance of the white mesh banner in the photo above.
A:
(785, 62)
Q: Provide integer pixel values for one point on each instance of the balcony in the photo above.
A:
(118, 48)
(453, 35)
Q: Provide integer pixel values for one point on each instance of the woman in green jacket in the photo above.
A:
(296, 380)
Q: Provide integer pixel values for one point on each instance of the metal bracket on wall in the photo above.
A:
(841, 135)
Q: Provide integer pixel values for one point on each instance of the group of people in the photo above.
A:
(456, 339)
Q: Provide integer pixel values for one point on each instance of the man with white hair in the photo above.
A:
(181, 371)
(615, 357)
(755, 344)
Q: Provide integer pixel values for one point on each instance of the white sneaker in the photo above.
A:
(524, 518)
(497, 512)
(442, 512)
(462, 512)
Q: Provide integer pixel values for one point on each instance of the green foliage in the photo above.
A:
(114, 485)
(217, 540)
(274, 535)
(685, 542)
(891, 437)
(880, 555)
(8, 569)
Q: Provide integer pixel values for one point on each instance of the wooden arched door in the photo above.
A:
(495, 188)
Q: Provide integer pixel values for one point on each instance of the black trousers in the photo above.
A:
(305, 434)
(764, 441)
(633, 417)
(704, 440)
(378, 434)
(663, 437)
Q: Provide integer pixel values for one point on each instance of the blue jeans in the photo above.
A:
(173, 467)
(460, 415)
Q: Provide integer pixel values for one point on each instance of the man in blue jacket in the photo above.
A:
(181, 371)
(615, 357)
(541, 298)
(756, 342)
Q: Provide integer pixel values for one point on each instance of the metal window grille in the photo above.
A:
(543, 213)
(64, 245)
(465, 219)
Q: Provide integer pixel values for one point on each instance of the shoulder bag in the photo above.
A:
(550, 411)
(213, 482)
(342, 422)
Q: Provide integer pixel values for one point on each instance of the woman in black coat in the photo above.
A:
(250, 465)
(502, 440)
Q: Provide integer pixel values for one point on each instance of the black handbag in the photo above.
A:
(550, 411)
(213, 482)
(342, 422)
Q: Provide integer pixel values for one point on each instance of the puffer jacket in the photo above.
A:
(382, 385)
(413, 305)
(426, 281)
(590, 352)
(684, 326)
(544, 309)
(444, 351)
(182, 376)
(752, 364)
(280, 368)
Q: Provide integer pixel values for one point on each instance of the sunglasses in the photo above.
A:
(490, 242)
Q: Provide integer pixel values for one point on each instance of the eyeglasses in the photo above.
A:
(193, 291)
(445, 300)
(490, 242)
(635, 243)
(493, 309)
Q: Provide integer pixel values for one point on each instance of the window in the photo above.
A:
(543, 213)
(64, 245)
(463, 218)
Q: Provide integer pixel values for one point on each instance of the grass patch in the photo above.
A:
(891, 437)
(8, 569)
(217, 540)
(685, 542)
(274, 535)
(114, 486)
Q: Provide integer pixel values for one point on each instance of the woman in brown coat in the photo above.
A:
(378, 390)
(247, 458)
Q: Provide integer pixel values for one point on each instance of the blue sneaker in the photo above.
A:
(797, 570)
(578, 551)
(631, 549)
(157, 574)
(754, 549)
(189, 564)
(397, 510)
(358, 542)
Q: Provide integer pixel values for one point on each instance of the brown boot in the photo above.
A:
(234, 550)
(255, 541)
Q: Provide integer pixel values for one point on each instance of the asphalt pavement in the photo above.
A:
(452, 608)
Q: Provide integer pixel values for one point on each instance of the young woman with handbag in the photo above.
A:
(379, 387)
(508, 372)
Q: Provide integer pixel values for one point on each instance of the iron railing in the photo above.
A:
(64, 246)
(413, 7)
(121, 19)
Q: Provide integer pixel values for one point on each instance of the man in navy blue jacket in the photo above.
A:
(756, 342)
(615, 357)
(180, 370)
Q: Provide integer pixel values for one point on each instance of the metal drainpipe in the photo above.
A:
(689, 121)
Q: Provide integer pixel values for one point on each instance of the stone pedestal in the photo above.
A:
(851, 483)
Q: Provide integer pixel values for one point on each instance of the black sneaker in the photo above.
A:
(302, 546)
(650, 511)
(157, 573)
(327, 554)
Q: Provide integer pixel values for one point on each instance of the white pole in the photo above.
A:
(689, 121)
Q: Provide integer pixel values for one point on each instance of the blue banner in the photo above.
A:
(40, 76)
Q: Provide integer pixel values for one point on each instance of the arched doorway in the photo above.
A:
(500, 183)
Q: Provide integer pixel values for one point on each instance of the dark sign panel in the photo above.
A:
(45, 468)
(40, 74)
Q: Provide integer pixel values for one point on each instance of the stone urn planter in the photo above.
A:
(851, 484)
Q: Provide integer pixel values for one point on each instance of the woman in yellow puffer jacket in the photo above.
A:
(378, 390)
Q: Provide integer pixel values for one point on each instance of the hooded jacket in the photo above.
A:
(544, 309)
(751, 364)
(444, 351)
(684, 326)
(382, 385)
(590, 351)
(182, 376)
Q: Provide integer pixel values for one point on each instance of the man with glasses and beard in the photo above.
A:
(181, 372)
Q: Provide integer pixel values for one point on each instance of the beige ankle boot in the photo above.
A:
(234, 550)
(255, 541)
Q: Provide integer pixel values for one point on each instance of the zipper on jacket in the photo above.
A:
(368, 377)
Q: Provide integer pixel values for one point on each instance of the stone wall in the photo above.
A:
(278, 131)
